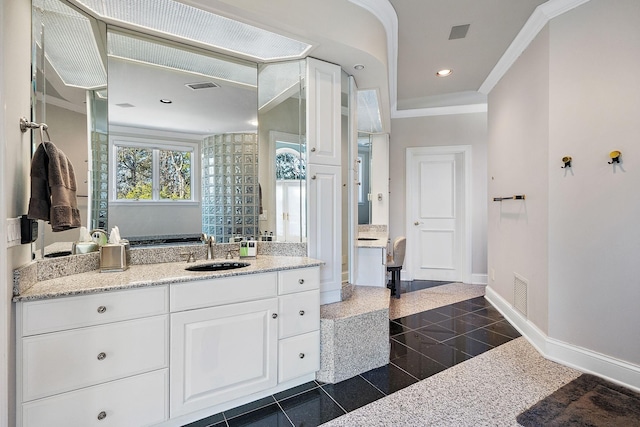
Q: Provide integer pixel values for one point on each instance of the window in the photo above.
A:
(144, 171)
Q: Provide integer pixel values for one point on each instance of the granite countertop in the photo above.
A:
(365, 299)
(379, 239)
(154, 274)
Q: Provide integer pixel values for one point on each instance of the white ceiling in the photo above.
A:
(424, 47)
(350, 32)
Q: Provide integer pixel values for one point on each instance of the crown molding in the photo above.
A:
(385, 13)
(536, 22)
(439, 111)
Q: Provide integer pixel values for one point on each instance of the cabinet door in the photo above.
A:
(221, 353)
(324, 114)
(325, 227)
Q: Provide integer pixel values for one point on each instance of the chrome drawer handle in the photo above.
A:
(274, 315)
(102, 356)
(301, 312)
(301, 355)
(102, 415)
(102, 309)
(301, 281)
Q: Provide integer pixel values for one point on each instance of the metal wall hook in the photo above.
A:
(567, 162)
(26, 125)
(615, 157)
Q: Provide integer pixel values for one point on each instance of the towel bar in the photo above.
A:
(516, 197)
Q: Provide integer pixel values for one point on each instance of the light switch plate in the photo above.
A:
(13, 232)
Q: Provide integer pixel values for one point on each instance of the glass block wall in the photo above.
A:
(230, 192)
(99, 181)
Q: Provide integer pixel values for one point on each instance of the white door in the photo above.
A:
(438, 213)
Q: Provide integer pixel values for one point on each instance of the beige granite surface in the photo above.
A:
(364, 299)
(488, 390)
(153, 274)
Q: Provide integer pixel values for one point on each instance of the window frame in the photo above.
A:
(155, 144)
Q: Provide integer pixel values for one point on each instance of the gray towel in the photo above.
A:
(53, 188)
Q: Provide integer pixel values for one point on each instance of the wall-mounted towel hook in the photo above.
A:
(615, 157)
(567, 162)
(25, 125)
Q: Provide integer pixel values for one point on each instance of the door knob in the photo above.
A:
(417, 223)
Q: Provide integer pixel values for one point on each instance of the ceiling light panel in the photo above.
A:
(190, 23)
(132, 48)
(76, 60)
(369, 111)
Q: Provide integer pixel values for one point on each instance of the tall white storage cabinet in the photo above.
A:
(324, 174)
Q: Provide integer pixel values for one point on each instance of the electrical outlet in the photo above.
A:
(13, 232)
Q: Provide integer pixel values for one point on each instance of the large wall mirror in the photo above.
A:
(164, 137)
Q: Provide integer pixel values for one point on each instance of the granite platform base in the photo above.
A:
(354, 334)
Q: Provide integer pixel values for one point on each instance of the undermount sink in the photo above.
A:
(367, 238)
(218, 266)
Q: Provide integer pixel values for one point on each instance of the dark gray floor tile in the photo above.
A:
(252, 406)
(418, 365)
(216, 420)
(295, 390)
(504, 328)
(489, 312)
(353, 393)
(468, 345)
(268, 416)
(414, 340)
(457, 325)
(487, 336)
(311, 408)
(476, 320)
(437, 332)
(396, 328)
(444, 354)
(389, 378)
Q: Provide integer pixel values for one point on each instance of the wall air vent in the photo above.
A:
(520, 285)
(459, 32)
(201, 85)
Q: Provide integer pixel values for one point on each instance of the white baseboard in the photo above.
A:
(479, 279)
(582, 359)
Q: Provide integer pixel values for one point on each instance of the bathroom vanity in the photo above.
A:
(161, 346)
(372, 255)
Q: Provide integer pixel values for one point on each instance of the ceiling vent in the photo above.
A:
(125, 105)
(201, 85)
(459, 32)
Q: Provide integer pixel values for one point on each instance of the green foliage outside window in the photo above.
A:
(290, 166)
(134, 174)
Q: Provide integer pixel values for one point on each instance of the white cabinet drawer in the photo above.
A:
(298, 280)
(63, 361)
(225, 290)
(86, 310)
(131, 402)
(299, 355)
(298, 313)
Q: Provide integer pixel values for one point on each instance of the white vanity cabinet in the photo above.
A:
(372, 266)
(166, 355)
(241, 336)
(97, 359)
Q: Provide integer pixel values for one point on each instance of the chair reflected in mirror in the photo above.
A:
(394, 265)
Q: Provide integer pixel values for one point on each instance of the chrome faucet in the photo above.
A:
(210, 241)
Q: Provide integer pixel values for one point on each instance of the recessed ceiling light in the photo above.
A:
(166, 101)
(444, 73)
(359, 67)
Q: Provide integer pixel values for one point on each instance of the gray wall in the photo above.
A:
(459, 129)
(576, 237)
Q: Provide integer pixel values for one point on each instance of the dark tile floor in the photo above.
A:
(422, 345)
